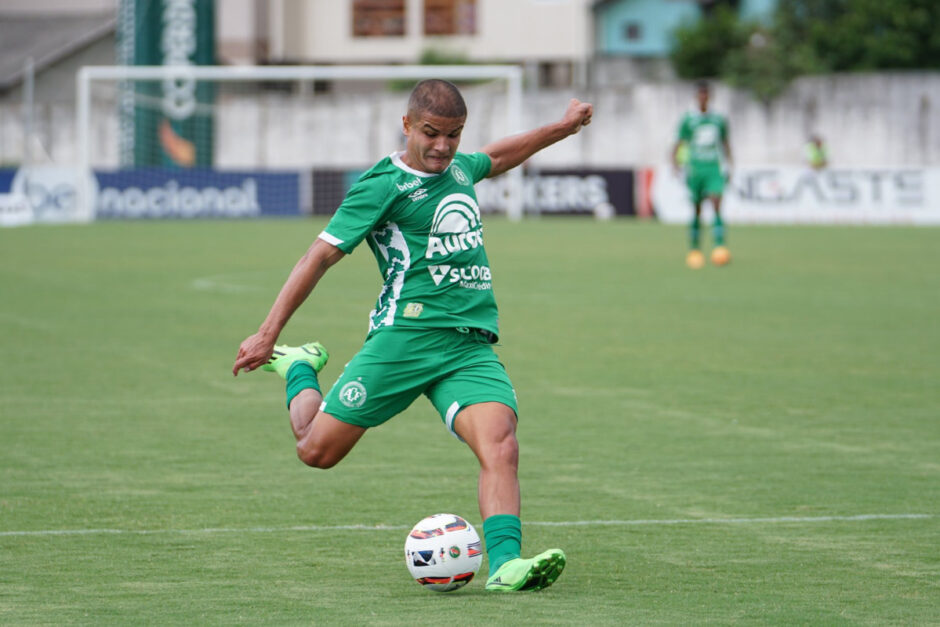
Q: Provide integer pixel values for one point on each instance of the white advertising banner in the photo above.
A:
(798, 195)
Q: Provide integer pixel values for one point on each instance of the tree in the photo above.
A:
(809, 37)
(703, 46)
(862, 35)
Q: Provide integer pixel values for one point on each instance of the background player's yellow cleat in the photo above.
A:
(695, 259)
(721, 256)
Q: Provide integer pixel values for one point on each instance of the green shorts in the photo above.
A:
(453, 368)
(704, 180)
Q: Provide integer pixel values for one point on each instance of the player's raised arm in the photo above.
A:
(257, 348)
(509, 152)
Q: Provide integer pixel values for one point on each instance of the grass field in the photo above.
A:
(756, 444)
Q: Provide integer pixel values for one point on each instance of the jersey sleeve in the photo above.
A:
(480, 165)
(685, 129)
(359, 213)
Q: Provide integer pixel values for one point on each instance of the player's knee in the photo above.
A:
(317, 457)
(503, 451)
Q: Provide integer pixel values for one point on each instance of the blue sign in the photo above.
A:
(196, 193)
(6, 179)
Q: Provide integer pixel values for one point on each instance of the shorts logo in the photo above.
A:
(353, 394)
(459, 176)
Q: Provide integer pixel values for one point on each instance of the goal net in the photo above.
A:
(202, 141)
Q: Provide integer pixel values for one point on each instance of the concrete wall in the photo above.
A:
(879, 119)
(865, 120)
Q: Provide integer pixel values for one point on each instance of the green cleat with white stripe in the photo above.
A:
(528, 574)
(285, 356)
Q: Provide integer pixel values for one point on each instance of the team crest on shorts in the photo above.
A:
(353, 394)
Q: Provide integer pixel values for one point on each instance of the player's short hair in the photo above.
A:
(436, 97)
(702, 85)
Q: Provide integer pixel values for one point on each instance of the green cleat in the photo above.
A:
(285, 356)
(528, 574)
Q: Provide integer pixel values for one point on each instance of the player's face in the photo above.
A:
(432, 141)
(702, 96)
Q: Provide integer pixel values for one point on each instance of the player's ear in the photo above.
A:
(406, 124)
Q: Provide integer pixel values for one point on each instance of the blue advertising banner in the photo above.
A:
(196, 193)
(6, 179)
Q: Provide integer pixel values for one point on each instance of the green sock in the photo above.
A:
(694, 230)
(300, 376)
(718, 230)
(503, 535)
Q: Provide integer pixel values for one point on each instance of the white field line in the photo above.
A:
(570, 523)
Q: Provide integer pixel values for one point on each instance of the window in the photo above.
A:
(632, 31)
(378, 18)
(450, 17)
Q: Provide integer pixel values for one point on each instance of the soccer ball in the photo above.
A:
(721, 256)
(443, 552)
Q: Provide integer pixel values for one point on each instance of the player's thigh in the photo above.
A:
(328, 441)
(695, 182)
(489, 429)
(383, 379)
(476, 377)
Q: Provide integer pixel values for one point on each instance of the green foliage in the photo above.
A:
(809, 37)
(702, 47)
(434, 56)
(860, 35)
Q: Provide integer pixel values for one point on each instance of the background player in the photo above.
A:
(435, 320)
(705, 136)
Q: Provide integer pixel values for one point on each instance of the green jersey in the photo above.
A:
(704, 134)
(426, 234)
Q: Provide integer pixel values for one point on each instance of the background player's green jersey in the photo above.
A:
(426, 234)
(704, 134)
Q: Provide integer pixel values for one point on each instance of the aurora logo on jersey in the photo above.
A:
(456, 226)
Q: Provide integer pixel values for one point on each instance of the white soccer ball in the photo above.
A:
(443, 552)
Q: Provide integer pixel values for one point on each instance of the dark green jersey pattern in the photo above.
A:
(427, 237)
(704, 133)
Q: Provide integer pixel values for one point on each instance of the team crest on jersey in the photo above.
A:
(459, 175)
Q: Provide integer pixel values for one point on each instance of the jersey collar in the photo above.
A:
(396, 159)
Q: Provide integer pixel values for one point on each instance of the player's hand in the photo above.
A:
(578, 115)
(253, 353)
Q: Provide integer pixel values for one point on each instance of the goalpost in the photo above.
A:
(213, 121)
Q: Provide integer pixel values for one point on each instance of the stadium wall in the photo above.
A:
(873, 119)
(882, 132)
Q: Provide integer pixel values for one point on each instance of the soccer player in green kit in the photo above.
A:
(705, 136)
(434, 322)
